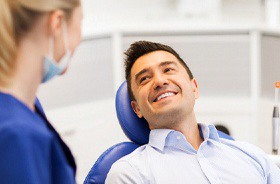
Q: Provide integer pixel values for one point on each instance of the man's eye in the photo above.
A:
(167, 70)
(143, 79)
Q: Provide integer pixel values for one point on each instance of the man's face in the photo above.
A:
(162, 89)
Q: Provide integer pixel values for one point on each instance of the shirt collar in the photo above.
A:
(158, 137)
(208, 132)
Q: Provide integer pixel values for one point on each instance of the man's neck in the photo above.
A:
(189, 128)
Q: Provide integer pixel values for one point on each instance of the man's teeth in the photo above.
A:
(165, 95)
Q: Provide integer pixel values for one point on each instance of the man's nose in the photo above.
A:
(160, 81)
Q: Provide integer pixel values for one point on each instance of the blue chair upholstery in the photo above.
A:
(136, 129)
(100, 169)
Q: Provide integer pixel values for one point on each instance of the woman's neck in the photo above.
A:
(27, 74)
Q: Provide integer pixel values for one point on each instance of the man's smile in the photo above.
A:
(164, 95)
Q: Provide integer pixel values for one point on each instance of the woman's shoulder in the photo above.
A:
(23, 126)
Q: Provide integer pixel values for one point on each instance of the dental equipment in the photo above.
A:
(275, 121)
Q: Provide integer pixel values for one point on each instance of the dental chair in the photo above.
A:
(135, 129)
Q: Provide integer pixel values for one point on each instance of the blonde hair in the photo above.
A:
(16, 18)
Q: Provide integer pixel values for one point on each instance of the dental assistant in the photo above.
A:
(37, 40)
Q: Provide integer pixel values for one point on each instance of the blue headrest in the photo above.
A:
(136, 129)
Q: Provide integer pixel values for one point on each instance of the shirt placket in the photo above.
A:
(206, 166)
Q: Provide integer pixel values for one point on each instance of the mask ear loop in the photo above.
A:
(51, 47)
(65, 37)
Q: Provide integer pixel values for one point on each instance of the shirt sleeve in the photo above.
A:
(271, 172)
(123, 172)
(273, 175)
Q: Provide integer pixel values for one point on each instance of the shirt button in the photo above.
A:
(178, 137)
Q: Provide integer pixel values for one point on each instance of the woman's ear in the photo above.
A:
(195, 88)
(55, 22)
(136, 109)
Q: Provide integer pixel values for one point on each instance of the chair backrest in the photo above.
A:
(100, 169)
(136, 129)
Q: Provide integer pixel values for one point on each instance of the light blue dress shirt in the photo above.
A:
(170, 158)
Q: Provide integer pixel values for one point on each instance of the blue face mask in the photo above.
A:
(51, 68)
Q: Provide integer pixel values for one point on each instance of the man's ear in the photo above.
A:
(136, 109)
(195, 88)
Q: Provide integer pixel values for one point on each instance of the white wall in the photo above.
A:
(111, 13)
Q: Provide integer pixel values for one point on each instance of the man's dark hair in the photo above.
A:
(140, 48)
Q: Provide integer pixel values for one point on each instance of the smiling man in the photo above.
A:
(163, 90)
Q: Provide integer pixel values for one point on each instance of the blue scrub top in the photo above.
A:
(31, 151)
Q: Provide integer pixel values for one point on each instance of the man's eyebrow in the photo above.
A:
(140, 73)
(164, 63)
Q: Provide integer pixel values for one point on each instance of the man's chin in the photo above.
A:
(164, 108)
(166, 113)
